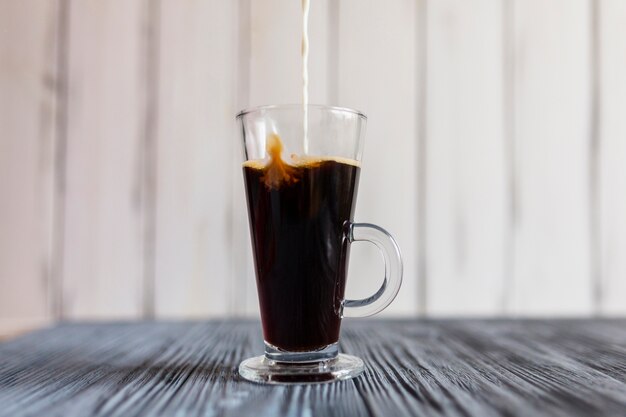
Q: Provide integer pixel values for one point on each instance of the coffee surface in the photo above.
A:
(298, 212)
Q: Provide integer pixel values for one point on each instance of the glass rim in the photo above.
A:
(293, 105)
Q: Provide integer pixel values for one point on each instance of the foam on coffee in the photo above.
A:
(278, 172)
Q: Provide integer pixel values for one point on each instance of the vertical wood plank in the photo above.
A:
(612, 153)
(378, 75)
(197, 138)
(275, 77)
(552, 140)
(242, 289)
(28, 105)
(150, 69)
(466, 189)
(104, 222)
(420, 160)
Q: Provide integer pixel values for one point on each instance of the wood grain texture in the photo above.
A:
(242, 287)
(28, 106)
(466, 189)
(552, 112)
(421, 368)
(146, 110)
(103, 254)
(197, 141)
(378, 75)
(611, 192)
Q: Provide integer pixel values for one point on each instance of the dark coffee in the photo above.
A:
(298, 213)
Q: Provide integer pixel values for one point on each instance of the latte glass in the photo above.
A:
(301, 192)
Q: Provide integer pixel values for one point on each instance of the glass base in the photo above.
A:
(267, 371)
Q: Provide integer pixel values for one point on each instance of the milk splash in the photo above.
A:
(305, 72)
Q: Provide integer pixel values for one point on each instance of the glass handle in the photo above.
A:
(365, 232)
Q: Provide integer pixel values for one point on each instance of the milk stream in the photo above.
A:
(305, 73)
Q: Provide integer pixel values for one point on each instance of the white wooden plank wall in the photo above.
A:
(466, 179)
(495, 150)
(28, 134)
(196, 143)
(242, 291)
(551, 114)
(103, 253)
(611, 162)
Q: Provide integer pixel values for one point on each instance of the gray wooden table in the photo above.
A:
(423, 368)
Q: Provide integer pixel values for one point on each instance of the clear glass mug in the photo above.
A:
(301, 192)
